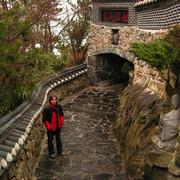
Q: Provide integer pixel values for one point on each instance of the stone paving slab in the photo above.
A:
(91, 149)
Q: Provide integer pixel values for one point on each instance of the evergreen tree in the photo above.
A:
(162, 53)
(22, 65)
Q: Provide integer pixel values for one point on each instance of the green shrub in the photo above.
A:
(162, 53)
(19, 85)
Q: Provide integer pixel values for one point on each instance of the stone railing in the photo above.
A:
(16, 127)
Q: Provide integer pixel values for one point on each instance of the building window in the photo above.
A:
(115, 36)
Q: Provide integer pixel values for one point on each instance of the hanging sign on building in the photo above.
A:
(114, 15)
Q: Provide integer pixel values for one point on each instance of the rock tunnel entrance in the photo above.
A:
(108, 69)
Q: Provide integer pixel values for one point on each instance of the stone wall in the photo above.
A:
(101, 41)
(145, 75)
(23, 165)
(102, 37)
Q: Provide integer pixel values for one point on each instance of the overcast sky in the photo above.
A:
(58, 29)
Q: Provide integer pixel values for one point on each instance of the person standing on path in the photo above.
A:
(53, 118)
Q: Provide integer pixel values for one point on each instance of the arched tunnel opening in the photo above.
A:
(109, 69)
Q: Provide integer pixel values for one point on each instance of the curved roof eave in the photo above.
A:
(140, 3)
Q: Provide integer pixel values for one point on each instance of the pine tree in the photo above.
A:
(162, 53)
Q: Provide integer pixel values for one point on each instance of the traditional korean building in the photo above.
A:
(146, 14)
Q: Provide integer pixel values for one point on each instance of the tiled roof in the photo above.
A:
(144, 2)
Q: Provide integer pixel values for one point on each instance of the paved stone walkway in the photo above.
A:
(91, 150)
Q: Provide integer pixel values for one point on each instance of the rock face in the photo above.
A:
(137, 117)
(137, 130)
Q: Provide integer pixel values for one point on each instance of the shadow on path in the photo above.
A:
(91, 149)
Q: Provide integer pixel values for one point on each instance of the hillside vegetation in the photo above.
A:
(30, 32)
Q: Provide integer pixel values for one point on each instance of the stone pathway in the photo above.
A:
(91, 150)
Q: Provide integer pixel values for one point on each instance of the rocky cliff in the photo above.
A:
(136, 126)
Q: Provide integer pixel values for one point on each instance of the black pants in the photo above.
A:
(51, 135)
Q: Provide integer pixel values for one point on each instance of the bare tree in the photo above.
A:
(78, 30)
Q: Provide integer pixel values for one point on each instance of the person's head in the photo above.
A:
(53, 99)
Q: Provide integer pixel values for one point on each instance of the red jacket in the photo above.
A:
(53, 117)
